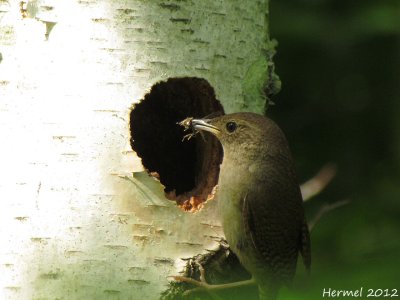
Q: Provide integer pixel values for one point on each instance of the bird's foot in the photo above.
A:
(203, 285)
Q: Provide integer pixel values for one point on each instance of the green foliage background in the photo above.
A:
(339, 62)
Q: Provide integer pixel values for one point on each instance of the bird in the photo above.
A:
(259, 200)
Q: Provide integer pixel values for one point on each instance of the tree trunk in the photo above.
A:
(74, 222)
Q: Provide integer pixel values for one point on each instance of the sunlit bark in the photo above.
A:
(74, 222)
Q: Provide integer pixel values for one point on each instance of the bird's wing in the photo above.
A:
(272, 217)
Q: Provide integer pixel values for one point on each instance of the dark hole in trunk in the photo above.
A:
(188, 169)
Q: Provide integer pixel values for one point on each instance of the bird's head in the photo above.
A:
(243, 134)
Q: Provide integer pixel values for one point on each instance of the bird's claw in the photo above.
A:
(201, 284)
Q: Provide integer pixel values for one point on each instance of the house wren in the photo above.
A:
(259, 199)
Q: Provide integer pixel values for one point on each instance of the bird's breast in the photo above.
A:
(232, 188)
(230, 215)
(234, 184)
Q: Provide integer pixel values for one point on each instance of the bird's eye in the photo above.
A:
(231, 126)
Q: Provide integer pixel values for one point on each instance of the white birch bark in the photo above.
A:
(71, 225)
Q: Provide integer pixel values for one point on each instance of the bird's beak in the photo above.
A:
(203, 124)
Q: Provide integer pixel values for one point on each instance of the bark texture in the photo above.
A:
(74, 222)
